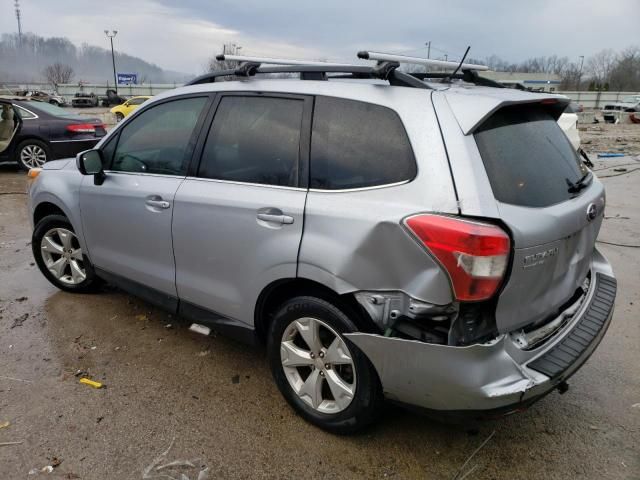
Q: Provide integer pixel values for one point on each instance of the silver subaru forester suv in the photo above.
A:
(425, 239)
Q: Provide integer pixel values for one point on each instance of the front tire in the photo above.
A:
(323, 376)
(119, 117)
(32, 153)
(59, 256)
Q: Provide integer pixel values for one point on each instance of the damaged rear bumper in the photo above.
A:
(495, 377)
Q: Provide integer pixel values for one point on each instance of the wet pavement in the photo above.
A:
(177, 403)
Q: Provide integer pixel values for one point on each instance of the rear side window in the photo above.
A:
(22, 113)
(528, 158)
(254, 140)
(357, 144)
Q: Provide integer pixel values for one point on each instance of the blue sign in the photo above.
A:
(127, 78)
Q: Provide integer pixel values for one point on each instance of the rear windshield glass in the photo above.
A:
(528, 158)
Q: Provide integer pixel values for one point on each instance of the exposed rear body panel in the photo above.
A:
(525, 160)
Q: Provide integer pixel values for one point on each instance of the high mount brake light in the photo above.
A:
(83, 127)
(475, 255)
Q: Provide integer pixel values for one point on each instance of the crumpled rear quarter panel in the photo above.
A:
(354, 240)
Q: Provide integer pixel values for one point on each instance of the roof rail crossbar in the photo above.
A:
(272, 61)
(316, 71)
(392, 57)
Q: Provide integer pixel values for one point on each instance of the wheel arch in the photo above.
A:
(279, 291)
(47, 208)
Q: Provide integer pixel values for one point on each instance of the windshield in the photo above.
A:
(50, 109)
(631, 99)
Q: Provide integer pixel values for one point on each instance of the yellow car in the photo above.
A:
(121, 111)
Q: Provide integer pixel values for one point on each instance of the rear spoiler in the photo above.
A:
(471, 109)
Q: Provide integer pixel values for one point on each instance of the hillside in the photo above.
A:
(26, 62)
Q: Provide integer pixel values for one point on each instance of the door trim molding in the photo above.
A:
(151, 295)
(228, 327)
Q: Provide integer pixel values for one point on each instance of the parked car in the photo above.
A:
(34, 132)
(385, 237)
(84, 100)
(611, 111)
(121, 111)
(53, 99)
(112, 98)
(568, 121)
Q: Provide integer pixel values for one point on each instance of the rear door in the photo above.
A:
(238, 217)
(534, 175)
(127, 219)
(10, 123)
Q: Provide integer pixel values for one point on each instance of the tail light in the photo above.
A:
(83, 127)
(474, 254)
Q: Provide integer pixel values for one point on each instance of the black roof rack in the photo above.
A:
(385, 69)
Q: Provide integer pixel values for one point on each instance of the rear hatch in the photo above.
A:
(548, 200)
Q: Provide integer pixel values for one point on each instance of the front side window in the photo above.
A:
(357, 144)
(254, 140)
(159, 140)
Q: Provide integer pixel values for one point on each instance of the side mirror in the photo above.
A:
(90, 163)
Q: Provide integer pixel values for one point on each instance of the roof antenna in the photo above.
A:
(460, 64)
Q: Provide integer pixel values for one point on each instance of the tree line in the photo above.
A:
(33, 58)
(604, 70)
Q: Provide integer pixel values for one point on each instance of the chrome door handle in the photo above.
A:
(158, 203)
(275, 218)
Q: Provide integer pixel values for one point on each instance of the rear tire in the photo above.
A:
(32, 153)
(342, 395)
(59, 256)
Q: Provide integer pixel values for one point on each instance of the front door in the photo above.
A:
(127, 219)
(238, 221)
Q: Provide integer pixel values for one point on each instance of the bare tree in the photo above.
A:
(600, 66)
(625, 75)
(58, 73)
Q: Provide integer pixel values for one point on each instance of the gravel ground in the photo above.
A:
(210, 405)
(610, 138)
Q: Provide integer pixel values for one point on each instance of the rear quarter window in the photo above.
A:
(527, 156)
(356, 144)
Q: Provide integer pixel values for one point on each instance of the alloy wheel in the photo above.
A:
(33, 156)
(62, 255)
(318, 365)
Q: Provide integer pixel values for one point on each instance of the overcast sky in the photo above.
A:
(181, 35)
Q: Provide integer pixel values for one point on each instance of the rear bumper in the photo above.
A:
(496, 377)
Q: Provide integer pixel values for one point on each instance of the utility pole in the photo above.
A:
(428, 44)
(18, 17)
(112, 34)
(446, 57)
(580, 72)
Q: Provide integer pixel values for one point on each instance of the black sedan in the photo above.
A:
(32, 132)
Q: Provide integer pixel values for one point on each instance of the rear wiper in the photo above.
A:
(581, 183)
